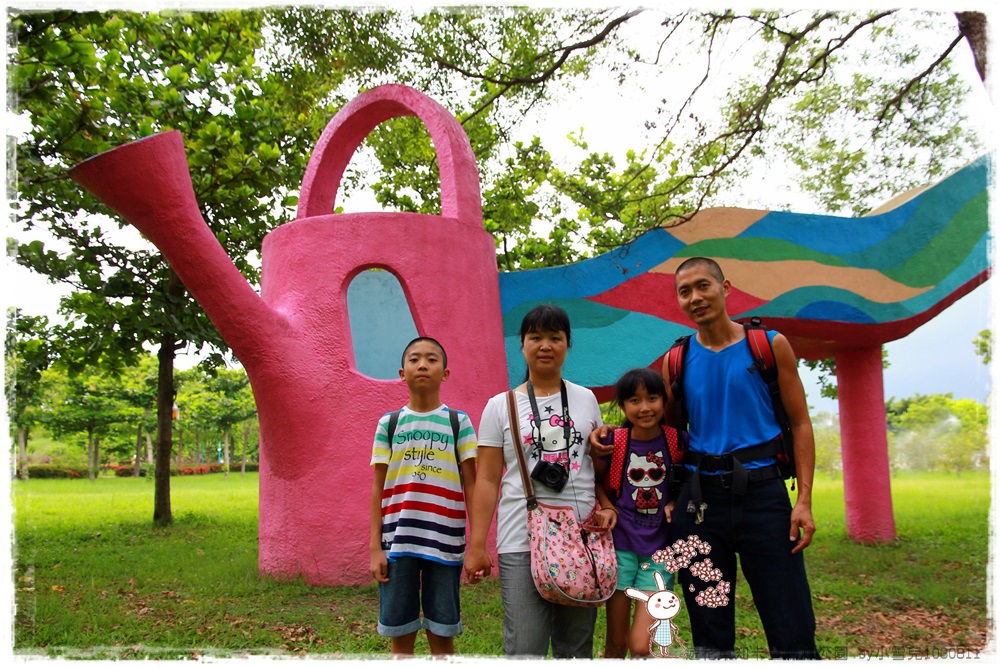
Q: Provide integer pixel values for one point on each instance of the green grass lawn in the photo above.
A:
(95, 579)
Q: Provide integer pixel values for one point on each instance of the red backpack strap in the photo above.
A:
(616, 474)
(675, 379)
(767, 366)
(673, 444)
(760, 346)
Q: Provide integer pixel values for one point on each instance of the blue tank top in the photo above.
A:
(728, 403)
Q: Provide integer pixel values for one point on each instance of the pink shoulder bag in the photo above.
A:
(570, 564)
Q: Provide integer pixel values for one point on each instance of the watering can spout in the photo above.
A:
(148, 183)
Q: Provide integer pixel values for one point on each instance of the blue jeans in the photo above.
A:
(415, 583)
(530, 621)
(755, 527)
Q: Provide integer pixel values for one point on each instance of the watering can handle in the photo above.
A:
(460, 196)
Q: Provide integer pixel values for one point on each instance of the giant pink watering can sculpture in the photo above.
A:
(295, 340)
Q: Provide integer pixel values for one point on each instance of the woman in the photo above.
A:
(556, 418)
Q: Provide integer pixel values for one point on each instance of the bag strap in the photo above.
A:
(616, 474)
(766, 364)
(391, 428)
(675, 373)
(673, 444)
(515, 434)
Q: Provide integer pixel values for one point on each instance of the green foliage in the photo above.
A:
(29, 350)
(937, 432)
(984, 345)
(826, 435)
(828, 373)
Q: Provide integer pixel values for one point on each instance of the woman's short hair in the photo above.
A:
(545, 318)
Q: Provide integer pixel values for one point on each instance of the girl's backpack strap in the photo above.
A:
(616, 474)
(674, 444)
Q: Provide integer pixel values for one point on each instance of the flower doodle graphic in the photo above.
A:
(691, 554)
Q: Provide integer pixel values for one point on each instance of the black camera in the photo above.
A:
(552, 475)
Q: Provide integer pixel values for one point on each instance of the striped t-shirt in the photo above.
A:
(423, 503)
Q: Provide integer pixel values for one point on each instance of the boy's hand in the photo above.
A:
(477, 565)
(597, 446)
(668, 510)
(380, 567)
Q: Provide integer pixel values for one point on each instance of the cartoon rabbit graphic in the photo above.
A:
(662, 606)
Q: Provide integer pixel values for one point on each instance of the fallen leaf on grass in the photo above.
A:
(58, 588)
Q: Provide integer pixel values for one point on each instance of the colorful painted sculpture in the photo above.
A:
(836, 287)
(830, 290)
(317, 413)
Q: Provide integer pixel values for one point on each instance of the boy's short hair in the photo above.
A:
(418, 339)
(712, 266)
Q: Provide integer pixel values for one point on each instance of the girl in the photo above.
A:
(638, 485)
(556, 418)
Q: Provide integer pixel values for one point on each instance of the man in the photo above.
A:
(737, 502)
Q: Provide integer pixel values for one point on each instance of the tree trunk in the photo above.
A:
(180, 443)
(138, 445)
(246, 441)
(162, 515)
(199, 446)
(225, 452)
(973, 27)
(22, 450)
(149, 448)
(91, 457)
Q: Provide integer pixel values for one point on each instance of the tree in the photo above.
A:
(221, 401)
(88, 402)
(30, 350)
(984, 345)
(826, 429)
(88, 82)
(250, 108)
(864, 105)
(937, 432)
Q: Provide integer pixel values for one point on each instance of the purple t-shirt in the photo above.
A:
(641, 526)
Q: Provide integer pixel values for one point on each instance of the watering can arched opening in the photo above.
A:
(381, 322)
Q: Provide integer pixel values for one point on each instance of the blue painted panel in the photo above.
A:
(381, 323)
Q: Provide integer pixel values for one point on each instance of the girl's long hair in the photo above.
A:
(628, 384)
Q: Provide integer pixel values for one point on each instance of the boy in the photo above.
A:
(422, 480)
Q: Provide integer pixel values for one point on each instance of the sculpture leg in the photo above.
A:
(864, 446)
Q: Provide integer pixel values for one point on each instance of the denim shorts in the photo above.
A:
(632, 575)
(416, 583)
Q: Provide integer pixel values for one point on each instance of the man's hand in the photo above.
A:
(597, 446)
(802, 519)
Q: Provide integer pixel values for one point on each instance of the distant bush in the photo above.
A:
(128, 470)
(54, 470)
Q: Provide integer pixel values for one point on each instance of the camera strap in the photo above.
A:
(567, 428)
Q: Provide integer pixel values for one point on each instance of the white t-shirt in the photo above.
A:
(494, 431)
